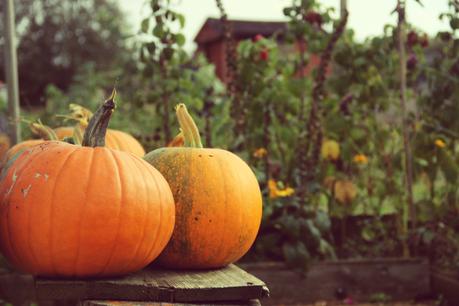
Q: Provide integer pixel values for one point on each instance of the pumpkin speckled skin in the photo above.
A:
(37, 128)
(114, 139)
(19, 147)
(218, 206)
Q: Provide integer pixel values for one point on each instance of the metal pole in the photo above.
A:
(11, 71)
(343, 8)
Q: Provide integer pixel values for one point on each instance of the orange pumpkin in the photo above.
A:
(83, 211)
(114, 139)
(19, 147)
(65, 131)
(218, 202)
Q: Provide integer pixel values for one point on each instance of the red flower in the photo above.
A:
(412, 38)
(264, 55)
(424, 41)
(257, 37)
(313, 18)
(348, 301)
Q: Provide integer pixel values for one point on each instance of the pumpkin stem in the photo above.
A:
(188, 127)
(77, 135)
(94, 135)
(188, 138)
(43, 131)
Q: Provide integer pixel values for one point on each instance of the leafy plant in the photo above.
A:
(171, 75)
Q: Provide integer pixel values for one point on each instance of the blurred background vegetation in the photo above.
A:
(353, 203)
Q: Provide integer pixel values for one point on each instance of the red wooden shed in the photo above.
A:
(210, 40)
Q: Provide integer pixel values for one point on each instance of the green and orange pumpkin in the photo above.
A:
(218, 201)
(83, 211)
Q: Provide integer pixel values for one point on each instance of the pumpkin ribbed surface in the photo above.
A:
(218, 206)
(78, 211)
(124, 142)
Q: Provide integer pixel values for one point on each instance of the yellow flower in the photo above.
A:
(285, 192)
(343, 190)
(272, 186)
(81, 114)
(260, 152)
(275, 192)
(360, 159)
(440, 143)
(330, 150)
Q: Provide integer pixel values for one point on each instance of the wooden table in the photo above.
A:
(151, 286)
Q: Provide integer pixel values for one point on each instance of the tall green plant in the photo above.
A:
(171, 76)
(275, 84)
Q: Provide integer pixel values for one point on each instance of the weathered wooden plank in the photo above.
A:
(154, 284)
(446, 285)
(16, 288)
(131, 303)
(400, 279)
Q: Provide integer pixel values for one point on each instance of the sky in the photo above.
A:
(367, 17)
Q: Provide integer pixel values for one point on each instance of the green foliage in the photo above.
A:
(171, 76)
(294, 233)
(307, 21)
(276, 94)
(357, 203)
(57, 37)
(269, 86)
(380, 297)
(361, 112)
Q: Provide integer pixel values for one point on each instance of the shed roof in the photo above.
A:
(212, 29)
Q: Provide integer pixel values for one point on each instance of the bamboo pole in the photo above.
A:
(343, 8)
(11, 71)
(408, 159)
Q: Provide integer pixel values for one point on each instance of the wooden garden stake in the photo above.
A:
(343, 8)
(406, 137)
(165, 100)
(207, 111)
(11, 71)
(302, 50)
(310, 140)
(267, 138)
